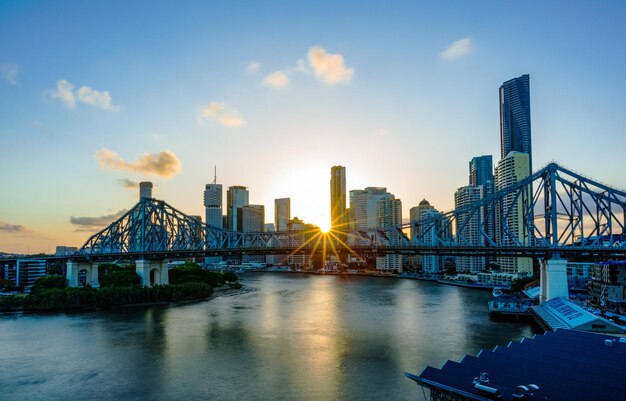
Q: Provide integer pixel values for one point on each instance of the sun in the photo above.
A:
(325, 227)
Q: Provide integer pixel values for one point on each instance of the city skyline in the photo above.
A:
(83, 115)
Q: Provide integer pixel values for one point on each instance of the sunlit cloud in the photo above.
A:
(223, 114)
(65, 93)
(90, 224)
(253, 66)
(457, 49)
(95, 98)
(128, 183)
(277, 79)
(9, 72)
(329, 68)
(162, 164)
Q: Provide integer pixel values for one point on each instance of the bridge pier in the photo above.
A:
(153, 272)
(91, 273)
(553, 279)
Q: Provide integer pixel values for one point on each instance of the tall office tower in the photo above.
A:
(282, 213)
(298, 236)
(515, 133)
(389, 216)
(510, 227)
(337, 197)
(236, 198)
(145, 190)
(469, 230)
(431, 228)
(251, 218)
(213, 205)
(363, 206)
(481, 174)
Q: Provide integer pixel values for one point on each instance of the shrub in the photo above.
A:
(193, 273)
(49, 282)
(121, 277)
(230, 277)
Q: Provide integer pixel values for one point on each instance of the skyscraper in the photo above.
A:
(515, 133)
(389, 215)
(363, 206)
(282, 213)
(251, 218)
(510, 227)
(468, 231)
(213, 205)
(481, 174)
(236, 198)
(337, 197)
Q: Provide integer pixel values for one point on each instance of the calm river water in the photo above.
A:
(296, 337)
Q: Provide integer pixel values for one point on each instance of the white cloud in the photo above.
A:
(329, 68)
(253, 66)
(457, 49)
(9, 73)
(221, 113)
(66, 94)
(95, 98)
(162, 164)
(277, 79)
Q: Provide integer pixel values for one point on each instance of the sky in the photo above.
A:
(97, 96)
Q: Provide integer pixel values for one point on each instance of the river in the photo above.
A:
(297, 337)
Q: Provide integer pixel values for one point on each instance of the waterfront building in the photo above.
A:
(237, 197)
(388, 216)
(282, 213)
(338, 197)
(300, 233)
(510, 227)
(515, 132)
(608, 286)
(24, 272)
(469, 228)
(579, 275)
(213, 205)
(431, 228)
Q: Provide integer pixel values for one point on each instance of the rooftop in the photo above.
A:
(564, 365)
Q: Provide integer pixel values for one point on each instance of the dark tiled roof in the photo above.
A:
(565, 364)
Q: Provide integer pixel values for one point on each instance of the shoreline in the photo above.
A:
(373, 274)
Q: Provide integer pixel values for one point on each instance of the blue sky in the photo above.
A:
(275, 93)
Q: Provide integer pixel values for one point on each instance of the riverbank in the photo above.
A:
(406, 276)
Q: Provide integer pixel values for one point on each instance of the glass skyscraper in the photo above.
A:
(515, 131)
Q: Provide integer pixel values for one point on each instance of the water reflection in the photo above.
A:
(297, 337)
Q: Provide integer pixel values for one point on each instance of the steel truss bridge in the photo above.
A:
(553, 212)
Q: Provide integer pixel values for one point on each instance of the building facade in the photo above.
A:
(469, 228)
(213, 205)
(388, 216)
(364, 206)
(515, 132)
(236, 198)
(431, 228)
(282, 213)
(510, 225)
(338, 197)
(251, 218)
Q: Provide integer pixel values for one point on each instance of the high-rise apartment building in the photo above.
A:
(433, 229)
(363, 206)
(510, 227)
(481, 174)
(282, 213)
(515, 132)
(236, 198)
(338, 197)
(388, 216)
(213, 205)
(469, 228)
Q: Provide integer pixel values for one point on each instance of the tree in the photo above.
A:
(192, 273)
(519, 283)
(49, 282)
(122, 277)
